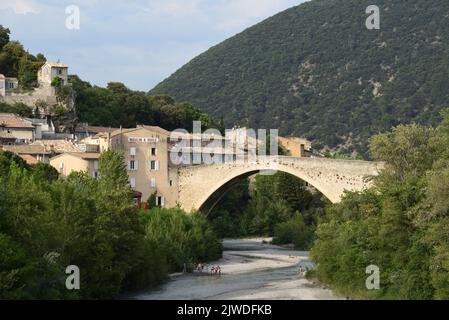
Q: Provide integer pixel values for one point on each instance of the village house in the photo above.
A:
(297, 147)
(51, 70)
(152, 155)
(69, 162)
(13, 126)
(83, 130)
(32, 154)
(7, 85)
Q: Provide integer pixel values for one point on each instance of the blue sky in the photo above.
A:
(137, 42)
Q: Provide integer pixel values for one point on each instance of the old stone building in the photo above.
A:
(13, 126)
(51, 70)
(7, 85)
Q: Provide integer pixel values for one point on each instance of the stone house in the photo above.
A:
(7, 85)
(23, 130)
(51, 70)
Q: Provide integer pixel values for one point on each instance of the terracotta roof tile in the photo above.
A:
(29, 159)
(26, 149)
(10, 120)
(57, 146)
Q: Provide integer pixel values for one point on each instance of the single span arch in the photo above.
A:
(201, 187)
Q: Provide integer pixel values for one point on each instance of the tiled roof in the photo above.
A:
(10, 120)
(26, 149)
(29, 159)
(155, 129)
(93, 129)
(58, 146)
(85, 155)
(57, 64)
(82, 155)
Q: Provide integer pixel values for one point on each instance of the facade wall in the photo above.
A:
(293, 146)
(22, 135)
(137, 146)
(67, 163)
(47, 73)
(7, 85)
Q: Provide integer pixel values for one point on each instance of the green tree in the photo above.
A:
(4, 36)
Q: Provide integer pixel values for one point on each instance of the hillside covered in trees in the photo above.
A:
(316, 70)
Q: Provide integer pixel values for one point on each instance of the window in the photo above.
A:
(95, 174)
(133, 165)
(154, 165)
(171, 183)
(96, 165)
(153, 182)
(11, 85)
(59, 71)
(160, 201)
(132, 182)
(132, 151)
(153, 152)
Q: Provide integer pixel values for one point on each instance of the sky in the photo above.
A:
(137, 42)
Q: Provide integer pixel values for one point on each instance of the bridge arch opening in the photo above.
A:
(217, 194)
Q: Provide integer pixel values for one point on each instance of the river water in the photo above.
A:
(251, 269)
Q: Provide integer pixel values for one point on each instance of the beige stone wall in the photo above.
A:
(293, 145)
(143, 175)
(47, 73)
(70, 163)
(331, 177)
(22, 134)
(44, 93)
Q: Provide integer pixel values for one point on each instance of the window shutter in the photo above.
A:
(162, 201)
(136, 165)
(129, 165)
(157, 165)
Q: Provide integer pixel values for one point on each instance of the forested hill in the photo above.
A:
(316, 70)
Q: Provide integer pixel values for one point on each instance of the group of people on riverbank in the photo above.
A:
(303, 271)
(214, 270)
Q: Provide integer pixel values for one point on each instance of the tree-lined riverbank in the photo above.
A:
(251, 269)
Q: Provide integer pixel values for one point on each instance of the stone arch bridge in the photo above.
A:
(201, 187)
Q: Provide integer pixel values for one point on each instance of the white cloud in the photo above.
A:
(20, 6)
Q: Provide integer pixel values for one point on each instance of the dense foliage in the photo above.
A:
(116, 105)
(276, 205)
(16, 62)
(47, 224)
(313, 70)
(400, 225)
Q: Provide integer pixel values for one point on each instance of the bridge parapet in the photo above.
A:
(201, 187)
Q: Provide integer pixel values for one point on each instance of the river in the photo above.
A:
(251, 269)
